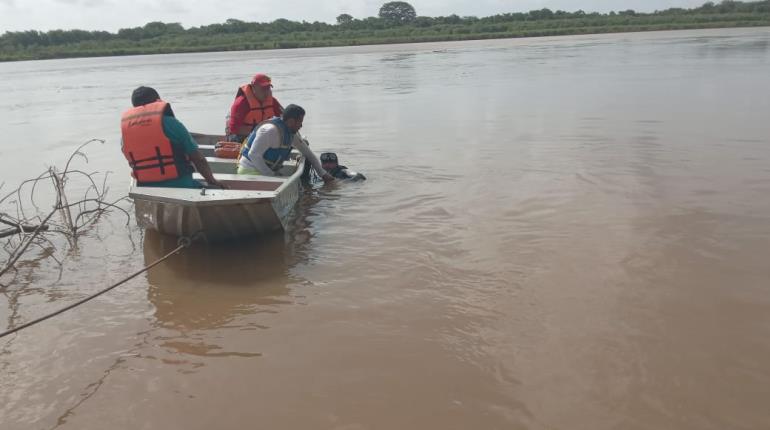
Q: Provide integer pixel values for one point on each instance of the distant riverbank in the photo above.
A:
(235, 35)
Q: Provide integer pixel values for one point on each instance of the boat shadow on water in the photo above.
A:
(207, 286)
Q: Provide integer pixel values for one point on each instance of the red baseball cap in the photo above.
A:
(262, 80)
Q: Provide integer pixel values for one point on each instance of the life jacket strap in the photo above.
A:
(161, 161)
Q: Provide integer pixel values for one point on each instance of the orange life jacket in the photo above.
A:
(148, 151)
(227, 149)
(258, 111)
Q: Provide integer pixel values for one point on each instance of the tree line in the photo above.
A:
(397, 22)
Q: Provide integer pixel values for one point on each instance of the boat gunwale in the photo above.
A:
(248, 198)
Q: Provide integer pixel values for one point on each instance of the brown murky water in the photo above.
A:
(560, 233)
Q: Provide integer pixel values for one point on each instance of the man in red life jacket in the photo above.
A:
(158, 147)
(254, 103)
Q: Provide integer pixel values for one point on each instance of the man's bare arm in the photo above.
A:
(202, 166)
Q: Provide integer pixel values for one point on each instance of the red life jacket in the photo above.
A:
(148, 151)
(258, 111)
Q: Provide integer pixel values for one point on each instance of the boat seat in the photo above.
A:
(233, 177)
(222, 160)
(290, 162)
(246, 182)
(206, 150)
(207, 139)
(222, 165)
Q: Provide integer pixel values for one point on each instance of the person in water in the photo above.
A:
(330, 163)
(254, 103)
(158, 147)
(270, 144)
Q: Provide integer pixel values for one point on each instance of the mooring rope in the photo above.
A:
(183, 242)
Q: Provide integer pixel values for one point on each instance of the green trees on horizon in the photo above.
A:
(397, 12)
(397, 22)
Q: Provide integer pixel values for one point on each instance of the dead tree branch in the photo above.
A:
(68, 216)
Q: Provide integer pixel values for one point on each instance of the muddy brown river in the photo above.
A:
(556, 233)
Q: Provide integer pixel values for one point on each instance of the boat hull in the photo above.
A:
(252, 204)
(218, 222)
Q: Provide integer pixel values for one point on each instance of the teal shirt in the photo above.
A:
(182, 142)
(178, 135)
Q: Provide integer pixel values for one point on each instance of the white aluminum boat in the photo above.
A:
(252, 205)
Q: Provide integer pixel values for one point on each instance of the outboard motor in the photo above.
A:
(330, 163)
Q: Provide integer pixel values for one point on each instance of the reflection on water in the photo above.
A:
(214, 286)
(208, 286)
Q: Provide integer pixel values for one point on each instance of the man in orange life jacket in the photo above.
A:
(158, 147)
(254, 103)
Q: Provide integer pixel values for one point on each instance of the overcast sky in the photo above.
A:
(112, 15)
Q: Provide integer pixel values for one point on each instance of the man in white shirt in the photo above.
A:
(270, 144)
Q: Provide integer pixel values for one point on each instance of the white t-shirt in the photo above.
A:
(268, 136)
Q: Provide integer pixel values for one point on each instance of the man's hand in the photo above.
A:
(202, 166)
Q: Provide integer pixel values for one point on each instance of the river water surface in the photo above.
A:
(556, 233)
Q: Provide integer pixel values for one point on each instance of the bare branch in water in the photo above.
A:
(17, 191)
(80, 153)
(19, 229)
(25, 243)
(30, 225)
